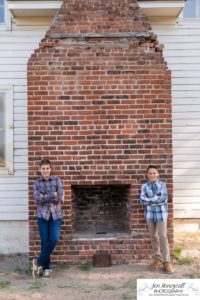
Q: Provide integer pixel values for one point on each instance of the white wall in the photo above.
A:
(182, 52)
(14, 237)
(16, 47)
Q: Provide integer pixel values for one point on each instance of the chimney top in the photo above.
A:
(99, 17)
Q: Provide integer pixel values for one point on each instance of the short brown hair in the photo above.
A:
(152, 167)
(45, 162)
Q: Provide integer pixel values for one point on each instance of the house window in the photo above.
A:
(2, 11)
(2, 130)
(5, 18)
(192, 9)
(6, 130)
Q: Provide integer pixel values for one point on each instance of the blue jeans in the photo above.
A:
(49, 234)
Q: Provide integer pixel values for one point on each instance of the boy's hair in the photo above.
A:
(45, 162)
(152, 167)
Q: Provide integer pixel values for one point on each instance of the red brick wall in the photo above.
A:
(100, 110)
(99, 16)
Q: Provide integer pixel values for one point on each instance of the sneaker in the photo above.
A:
(36, 269)
(157, 264)
(168, 267)
(47, 273)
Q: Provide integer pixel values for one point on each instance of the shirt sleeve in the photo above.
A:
(143, 197)
(145, 200)
(40, 198)
(163, 197)
(59, 190)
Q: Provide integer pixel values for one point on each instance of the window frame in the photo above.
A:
(9, 139)
(197, 12)
(7, 19)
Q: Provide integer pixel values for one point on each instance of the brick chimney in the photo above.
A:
(99, 107)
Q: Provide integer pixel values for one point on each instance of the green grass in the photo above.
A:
(84, 266)
(36, 284)
(28, 271)
(82, 288)
(129, 295)
(176, 253)
(4, 284)
(62, 266)
(131, 284)
(107, 287)
(187, 260)
(18, 269)
(68, 286)
(179, 259)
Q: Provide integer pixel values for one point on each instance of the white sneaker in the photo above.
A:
(36, 269)
(47, 273)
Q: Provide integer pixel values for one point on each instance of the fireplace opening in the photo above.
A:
(100, 211)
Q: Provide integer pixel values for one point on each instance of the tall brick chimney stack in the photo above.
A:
(99, 107)
(93, 16)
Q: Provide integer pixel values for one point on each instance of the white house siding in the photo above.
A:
(16, 47)
(182, 53)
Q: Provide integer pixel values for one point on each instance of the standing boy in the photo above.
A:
(48, 194)
(154, 197)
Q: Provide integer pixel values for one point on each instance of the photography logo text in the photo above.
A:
(168, 288)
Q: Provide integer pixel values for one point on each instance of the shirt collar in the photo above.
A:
(155, 183)
(50, 178)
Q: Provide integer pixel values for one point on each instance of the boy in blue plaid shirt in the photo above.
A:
(154, 197)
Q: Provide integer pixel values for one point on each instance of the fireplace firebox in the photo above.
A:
(100, 211)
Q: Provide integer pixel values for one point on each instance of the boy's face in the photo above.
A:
(152, 174)
(45, 171)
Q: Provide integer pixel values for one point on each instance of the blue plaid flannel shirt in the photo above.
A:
(154, 197)
(47, 202)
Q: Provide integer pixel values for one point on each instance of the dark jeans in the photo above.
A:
(49, 234)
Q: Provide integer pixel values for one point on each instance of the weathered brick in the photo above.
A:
(100, 109)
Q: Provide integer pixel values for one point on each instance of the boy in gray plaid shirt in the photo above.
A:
(48, 194)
